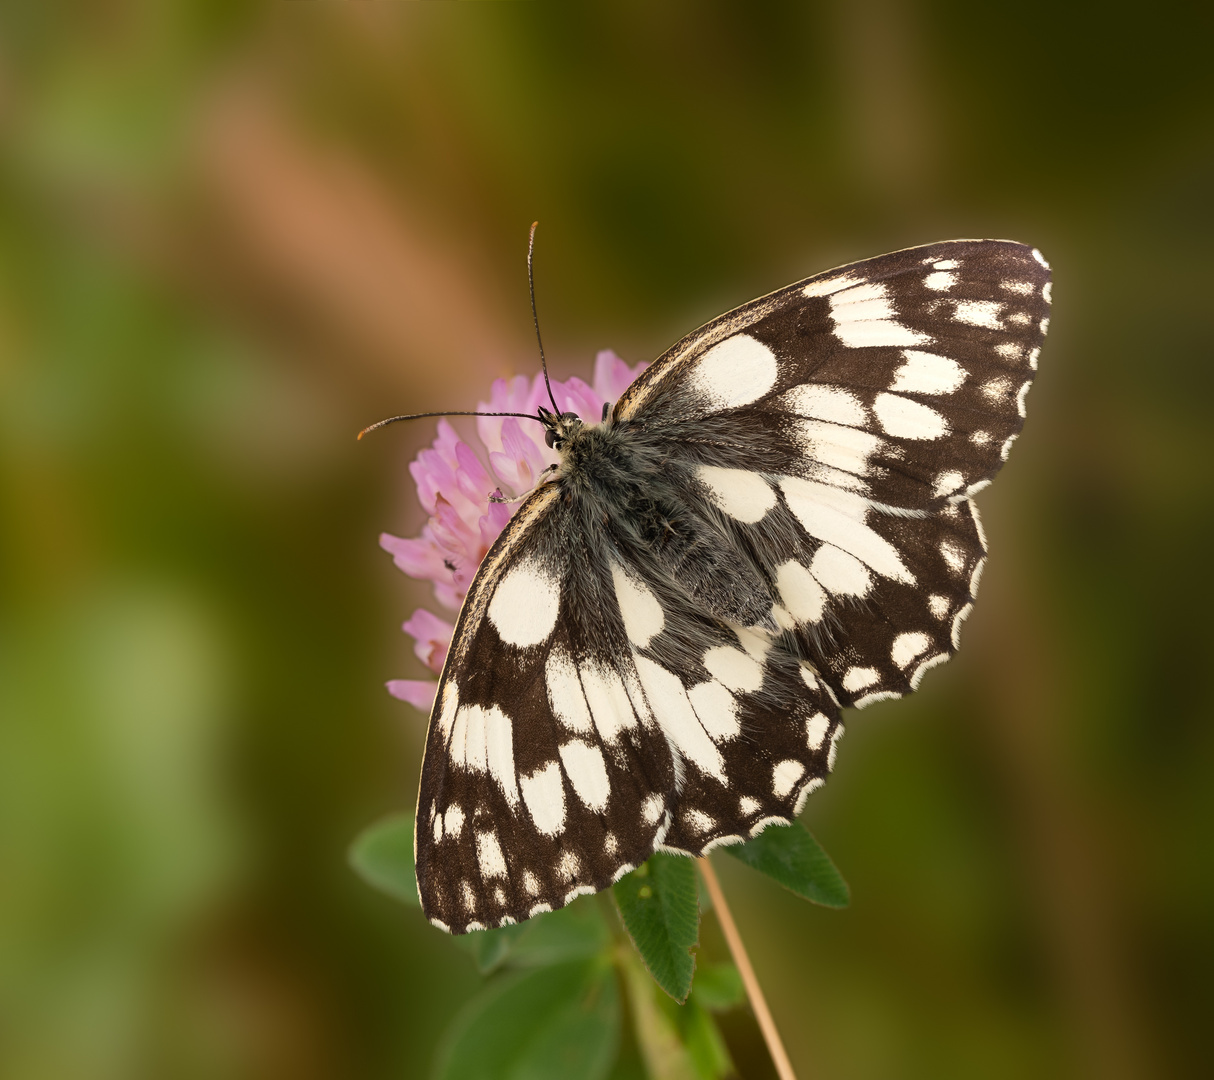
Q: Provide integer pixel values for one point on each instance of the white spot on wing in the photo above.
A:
(946, 264)
(829, 285)
(816, 728)
(784, 777)
(489, 855)
(677, 719)
(565, 693)
(587, 772)
(642, 614)
(699, 821)
(609, 702)
(927, 373)
(1040, 258)
(453, 820)
(1046, 292)
(864, 318)
(938, 605)
(525, 604)
(840, 573)
(568, 865)
(800, 591)
(839, 446)
(544, 794)
(940, 281)
(735, 372)
(980, 313)
(954, 556)
(499, 747)
(837, 517)
(748, 806)
(734, 668)
(859, 678)
(831, 403)
(1020, 288)
(947, 483)
(531, 884)
(908, 419)
(907, 647)
(717, 709)
(998, 388)
(745, 496)
(450, 706)
(651, 809)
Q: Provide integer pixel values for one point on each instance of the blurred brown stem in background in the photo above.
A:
(319, 222)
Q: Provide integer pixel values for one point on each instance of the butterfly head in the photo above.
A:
(558, 428)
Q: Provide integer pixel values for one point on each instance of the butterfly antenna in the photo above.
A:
(535, 317)
(423, 415)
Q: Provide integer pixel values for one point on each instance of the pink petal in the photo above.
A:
(425, 626)
(612, 376)
(417, 558)
(493, 523)
(433, 637)
(417, 692)
(514, 474)
(470, 465)
(527, 445)
(446, 593)
(451, 531)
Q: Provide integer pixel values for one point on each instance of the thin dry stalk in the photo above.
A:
(754, 992)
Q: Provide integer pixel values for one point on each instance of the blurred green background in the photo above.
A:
(232, 233)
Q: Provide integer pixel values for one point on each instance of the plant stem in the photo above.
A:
(767, 1025)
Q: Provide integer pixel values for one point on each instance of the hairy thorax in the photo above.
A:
(630, 492)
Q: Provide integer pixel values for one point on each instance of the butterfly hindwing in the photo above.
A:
(545, 774)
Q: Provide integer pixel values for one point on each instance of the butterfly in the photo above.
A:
(773, 523)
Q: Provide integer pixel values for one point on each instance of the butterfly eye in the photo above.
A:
(550, 437)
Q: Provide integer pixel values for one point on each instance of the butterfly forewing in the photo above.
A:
(774, 522)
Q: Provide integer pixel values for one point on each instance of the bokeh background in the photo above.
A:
(234, 232)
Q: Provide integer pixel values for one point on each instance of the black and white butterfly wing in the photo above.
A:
(840, 425)
(586, 711)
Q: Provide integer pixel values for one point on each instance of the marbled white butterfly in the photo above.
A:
(772, 524)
